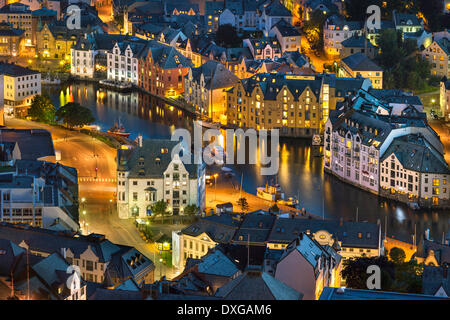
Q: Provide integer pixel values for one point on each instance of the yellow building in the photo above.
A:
(360, 65)
(55, 41)
(205, 89)
(437, 55)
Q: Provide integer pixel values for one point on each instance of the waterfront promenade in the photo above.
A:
(227, 190)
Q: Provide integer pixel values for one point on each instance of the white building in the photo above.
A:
(288, 37)
(122, 61)
(83, 58)
(20, 85)
(413, 168)
(271, 13)
(336, 30)
(147, 174)
(358, 135)
(444, 98)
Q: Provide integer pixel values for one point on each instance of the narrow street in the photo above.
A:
(85, 153)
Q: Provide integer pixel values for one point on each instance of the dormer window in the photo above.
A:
(141, 161)
(164, 150)
(158, 161)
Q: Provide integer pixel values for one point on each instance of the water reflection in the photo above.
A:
(138, 112)
(300, 170)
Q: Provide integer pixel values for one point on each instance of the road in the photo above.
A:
(443, 130)
(227, 190)
(85, 154)
(315, 60)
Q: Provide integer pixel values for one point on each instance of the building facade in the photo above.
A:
(148, 174)
(205, 89)
(20, 85)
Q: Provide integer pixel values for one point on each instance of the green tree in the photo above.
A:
(355, 271)
(243, 204)
(274, 208)
(42, 109)
(402, 67)
(159, 208)
(408, 277)
(397, 255)
(191, 210)
(226, 36)
(74, 115)
(313, 29)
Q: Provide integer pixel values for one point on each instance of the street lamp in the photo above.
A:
(215, 184)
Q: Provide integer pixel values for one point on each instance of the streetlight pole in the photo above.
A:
(215, 186)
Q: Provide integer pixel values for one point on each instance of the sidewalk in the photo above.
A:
(227, 190)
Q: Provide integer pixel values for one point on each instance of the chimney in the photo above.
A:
(63, 252)
(140, 141)
(427, 234)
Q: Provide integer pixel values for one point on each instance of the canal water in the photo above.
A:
(300, 173)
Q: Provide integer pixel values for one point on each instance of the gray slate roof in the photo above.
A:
(286, 230)
(416, 154)
(220, 228)
(216, 75)
(257, 286)
(433, 278)
(33, 143)
(356, 41)
(360, 62)
(329, 293)
(154, 161)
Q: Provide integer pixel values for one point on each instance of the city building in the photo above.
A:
(12, 40)
(35, 191)
(343, 293)
(162, 70)
(356, 44)
(336, 30)
(298, 105)
(434, 253)
(55, 41)
(271, 13)
(195, 240)
(358, 64)
(20, 85)
(18, 15)
(358, 134)
(147, 174)
(255, 284)
(123, 61)
(437, 55)
(83, 58)
(288, 37)
(215, 268)
(444, 98)
(406, 22)
(436, 281)
(412, 167)
(205, 89)
(98, 259)
(349, 238)
(264, 231)
(319, 266)
(241, 14)
(24, 276)
(264, 48)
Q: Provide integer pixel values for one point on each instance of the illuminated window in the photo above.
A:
(435, 182)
